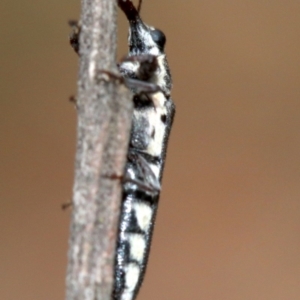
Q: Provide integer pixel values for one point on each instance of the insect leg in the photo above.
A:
(137, 85)
(139, 66)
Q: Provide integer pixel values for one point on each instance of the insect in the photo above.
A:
(146, 72)
(146, 63)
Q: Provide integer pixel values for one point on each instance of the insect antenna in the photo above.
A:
(139, 6)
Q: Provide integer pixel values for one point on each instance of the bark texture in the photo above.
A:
(104, 121)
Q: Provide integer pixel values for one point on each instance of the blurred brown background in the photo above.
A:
(228, 226)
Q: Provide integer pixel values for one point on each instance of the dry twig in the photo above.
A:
(104, 120)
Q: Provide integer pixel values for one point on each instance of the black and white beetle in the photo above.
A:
(145, 71)
(152, 120)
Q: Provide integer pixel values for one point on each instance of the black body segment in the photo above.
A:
(146, 73)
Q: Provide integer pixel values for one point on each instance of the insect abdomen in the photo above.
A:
(138, 213)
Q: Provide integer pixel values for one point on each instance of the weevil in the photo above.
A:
(153, 114)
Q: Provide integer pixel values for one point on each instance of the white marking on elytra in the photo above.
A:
(154, 116)
(156, 170)
(127, 295)
(143, 213)
(159, 101)
(137, 246)
(131, 276)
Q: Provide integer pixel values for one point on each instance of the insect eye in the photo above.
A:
(159, 38)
